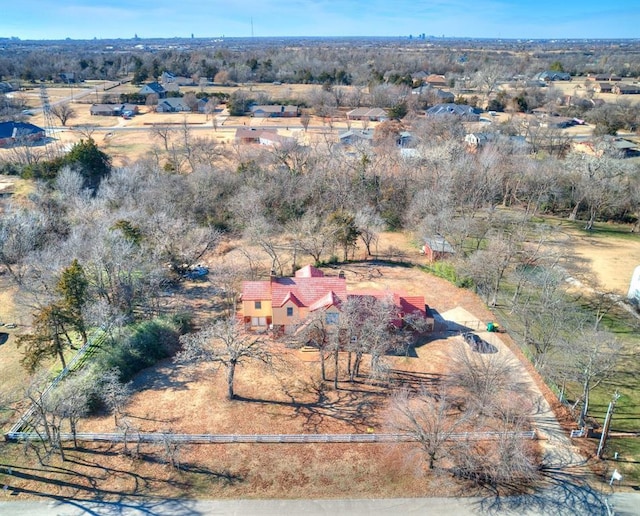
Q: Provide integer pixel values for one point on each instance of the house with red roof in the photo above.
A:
(283, 303)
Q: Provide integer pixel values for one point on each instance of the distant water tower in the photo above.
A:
(634, 287)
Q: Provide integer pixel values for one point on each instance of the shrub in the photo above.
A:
(141, 346)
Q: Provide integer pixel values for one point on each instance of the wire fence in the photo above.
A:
(163, 437)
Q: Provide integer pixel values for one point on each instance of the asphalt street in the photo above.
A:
(549, 502)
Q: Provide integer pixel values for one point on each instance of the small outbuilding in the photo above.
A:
(437, 248)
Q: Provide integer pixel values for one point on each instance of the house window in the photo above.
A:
(331, 318)
(289, 311)
(257, 305)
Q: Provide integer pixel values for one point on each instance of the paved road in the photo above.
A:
(626, 504)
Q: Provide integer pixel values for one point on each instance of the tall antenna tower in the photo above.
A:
(252, 26)
(51, 144)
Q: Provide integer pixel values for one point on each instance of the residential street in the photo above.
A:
(556, 501)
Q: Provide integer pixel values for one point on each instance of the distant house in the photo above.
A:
(16, 133)
(113, 109)
(168, 78)
(603, 87)
(436, 80)
(477, 140)
(558, 122)
(626, 89)
(354, 136)
(153, 87)
(465, 112)
(551, 76)
(6, 87)
(269, 137)
(434, 94)
(515, 144)
(619, 146)
(275, 111)
(602, 77)
(203, 105)
(67, 77)
(173, 105)
(7, 190)
(285, 302)
(436, 248)
(405, 139)
(442, 96)
(365, 113)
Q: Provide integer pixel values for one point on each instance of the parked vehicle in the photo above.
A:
(476, 343)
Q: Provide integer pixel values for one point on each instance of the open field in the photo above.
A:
(603, 259)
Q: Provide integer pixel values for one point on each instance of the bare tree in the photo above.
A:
(114, 393)
(314, 235)
(366, 327)
(171, 449)
(63, 112)
(486, 381)
(21, 232)
(508, 460)
(163, 132)
(68, 402)
(430, 419)
(86, 131)
(370, 224)
(599, 184)
(224, 343)
(305, 119)
(315, 331)
(588, 359)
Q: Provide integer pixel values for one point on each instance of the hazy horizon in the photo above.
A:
(489, 19)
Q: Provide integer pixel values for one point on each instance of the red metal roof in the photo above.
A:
(309, 271)
(329, 299)
(307, 290)
(256, 290)
(291, 297)
(311, 288)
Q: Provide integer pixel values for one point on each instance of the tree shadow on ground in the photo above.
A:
(415, 381)
(164, 375)
(354, 407)
(565, 492)
(84, 477)
(118, 505)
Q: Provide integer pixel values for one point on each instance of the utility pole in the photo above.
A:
(607, 425)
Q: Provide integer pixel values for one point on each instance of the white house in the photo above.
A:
(634, 287)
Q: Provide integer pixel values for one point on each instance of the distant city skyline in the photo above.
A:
(544, 19)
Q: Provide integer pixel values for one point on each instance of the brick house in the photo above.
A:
(276, 111)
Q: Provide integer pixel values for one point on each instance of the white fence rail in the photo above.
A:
(263, 438)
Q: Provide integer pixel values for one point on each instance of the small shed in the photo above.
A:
(436, 248)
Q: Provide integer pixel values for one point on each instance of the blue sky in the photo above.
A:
(85, 19)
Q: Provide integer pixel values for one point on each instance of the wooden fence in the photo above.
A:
(263, 438)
